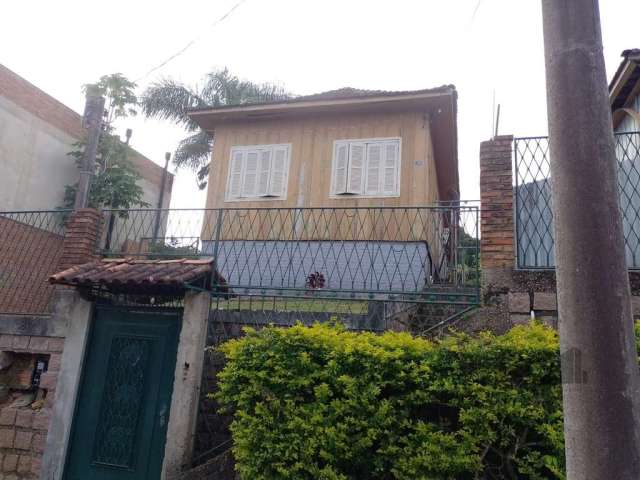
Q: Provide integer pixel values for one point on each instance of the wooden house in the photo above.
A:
(343, 176)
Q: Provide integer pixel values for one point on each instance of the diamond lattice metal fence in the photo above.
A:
(533, 212)
(382, 253)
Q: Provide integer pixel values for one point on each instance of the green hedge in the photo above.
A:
(323, 403)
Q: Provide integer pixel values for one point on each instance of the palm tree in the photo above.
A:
(168, 99)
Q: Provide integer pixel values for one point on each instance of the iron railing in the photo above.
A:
(30, 249)
(533, 213)
(388, 253)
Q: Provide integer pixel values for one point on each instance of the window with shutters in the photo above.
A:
(366, 168)
(258, 172)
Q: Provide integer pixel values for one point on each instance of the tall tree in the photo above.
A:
(120, 98)
(168, 99)
(115, 180)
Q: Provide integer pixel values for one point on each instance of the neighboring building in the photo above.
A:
(339, 149)
(533, 203)
(36, 133)
(624, 93)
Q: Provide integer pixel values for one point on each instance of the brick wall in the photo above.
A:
(25, 408)
(496, 196)
(32, 249)
(510, 295)
(28, 255)
(80, 238)
(24, 420)
(39, 103)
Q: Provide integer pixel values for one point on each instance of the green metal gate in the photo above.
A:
(122, 410)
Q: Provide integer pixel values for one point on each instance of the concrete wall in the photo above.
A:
(36, 132)
(34, 161)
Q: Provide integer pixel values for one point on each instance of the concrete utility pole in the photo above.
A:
(92, 121)
(156, 226)
(599, 360)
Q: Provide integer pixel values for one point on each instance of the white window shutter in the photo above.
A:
(279, 172)
(250, 174)
(391, 167)
(340, 168)
(264, 172)
(235, 175)
(374, 165)
(356, 167)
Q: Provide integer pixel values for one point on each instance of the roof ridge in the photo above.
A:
(344, 93)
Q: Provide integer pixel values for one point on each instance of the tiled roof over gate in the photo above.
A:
(131, 275)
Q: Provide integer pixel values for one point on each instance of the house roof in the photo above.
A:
(132, 275)
(625, 84)
(345, 93)
(42, 105)
(440, 103)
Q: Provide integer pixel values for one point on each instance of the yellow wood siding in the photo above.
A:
(309, 179)
(311, 142)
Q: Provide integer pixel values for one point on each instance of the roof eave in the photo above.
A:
(441, 104)
(207, 119)
(624, 85)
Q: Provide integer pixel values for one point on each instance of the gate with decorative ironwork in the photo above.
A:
(122, 410)
(371, 269)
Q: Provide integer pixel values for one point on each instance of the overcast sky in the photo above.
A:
(307, 46)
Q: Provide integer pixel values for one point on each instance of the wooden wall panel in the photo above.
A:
(309, 178)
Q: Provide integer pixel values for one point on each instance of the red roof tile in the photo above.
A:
(131, 275)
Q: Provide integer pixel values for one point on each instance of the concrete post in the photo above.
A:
(78, 313)
(186, 385)
(601, 382)
(92, 121)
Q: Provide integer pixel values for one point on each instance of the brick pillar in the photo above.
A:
(497, 247)
(80, 238)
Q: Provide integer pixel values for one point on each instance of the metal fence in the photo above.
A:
(534, 218)
(385, 253)
(371, 269)
(30, 248)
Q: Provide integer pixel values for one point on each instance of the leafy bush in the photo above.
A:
(323, 403)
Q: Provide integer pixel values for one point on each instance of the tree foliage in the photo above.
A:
(324, 403)
(168, 99)
(120, 98)
(115, 181)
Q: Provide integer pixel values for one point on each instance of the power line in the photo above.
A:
(473, 15)
(191, 42)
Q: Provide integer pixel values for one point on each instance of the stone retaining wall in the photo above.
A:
(25, 410)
